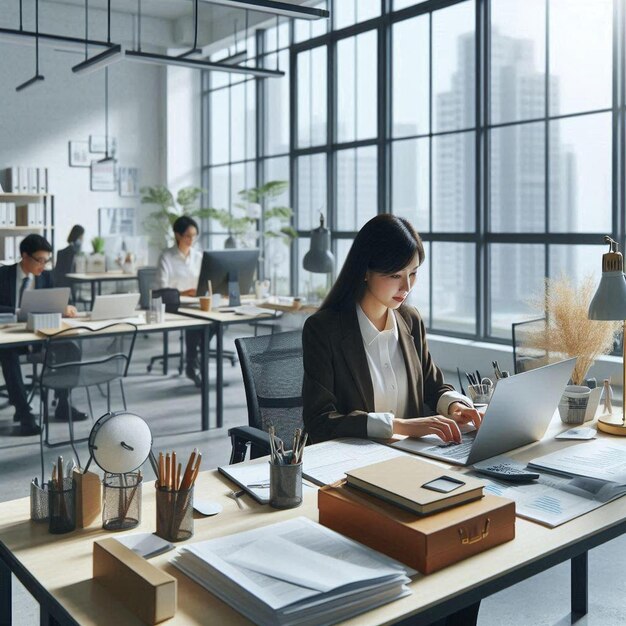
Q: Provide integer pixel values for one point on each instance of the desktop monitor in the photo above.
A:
(218, 264)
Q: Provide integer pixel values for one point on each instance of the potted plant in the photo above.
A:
(159, 223)
(568, 332)
(96, 261)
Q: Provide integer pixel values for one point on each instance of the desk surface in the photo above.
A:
(16, 334)
(62, 564)
(113, 275)
(223, 317)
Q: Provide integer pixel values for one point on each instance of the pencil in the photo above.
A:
(161, 469)
(189, 468)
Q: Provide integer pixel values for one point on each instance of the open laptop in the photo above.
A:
(114, 306)
(519, 413)
(53, 300)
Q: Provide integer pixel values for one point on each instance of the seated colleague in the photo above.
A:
(367, 368)
(14, 280)
(66, 262)
(179, 268)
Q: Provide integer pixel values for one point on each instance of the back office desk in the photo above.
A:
(57, 570)
(96, 280)
(221, 320)
(16, 335)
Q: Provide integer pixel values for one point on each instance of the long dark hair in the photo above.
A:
(76, 233)
(386, 244)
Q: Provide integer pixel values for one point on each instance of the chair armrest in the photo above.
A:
(241, 437)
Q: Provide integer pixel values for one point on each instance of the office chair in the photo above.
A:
(272, 369)
(95, 358)
(65, 265)
(146, 277)
(525, 358)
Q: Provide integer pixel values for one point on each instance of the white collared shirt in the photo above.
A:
(177, 270)
(389, 378)
(19, 278)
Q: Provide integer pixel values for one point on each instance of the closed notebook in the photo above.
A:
(418, 486)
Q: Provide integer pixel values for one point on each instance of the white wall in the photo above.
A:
(37, 124)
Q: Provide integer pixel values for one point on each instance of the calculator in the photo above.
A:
(507, 472)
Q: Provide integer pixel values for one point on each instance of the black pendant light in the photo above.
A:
(319, 258)
(37, 77)
(111, 54)
(108, 158)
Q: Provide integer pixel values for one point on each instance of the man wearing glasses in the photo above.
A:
(15, 279)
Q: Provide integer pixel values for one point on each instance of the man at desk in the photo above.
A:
(15, 279)
(179, 268)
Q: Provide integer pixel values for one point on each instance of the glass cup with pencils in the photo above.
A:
(174, 496)
(286, 471)
(121, 501)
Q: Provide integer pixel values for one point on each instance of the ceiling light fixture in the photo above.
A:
(278, 8)
(37, 77)
(107, 157)
(112, 54)
(182, 60)
(58, 42)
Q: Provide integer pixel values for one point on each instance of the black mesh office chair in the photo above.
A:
(272, 369)
(95, 358)
(146, 277)
(65, 265)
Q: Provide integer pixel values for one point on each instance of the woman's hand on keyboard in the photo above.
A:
(444, 427)
(463, 414)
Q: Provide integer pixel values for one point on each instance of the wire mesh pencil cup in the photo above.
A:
(174, 513)
(62, 506)
(38, 502)
(121, 501)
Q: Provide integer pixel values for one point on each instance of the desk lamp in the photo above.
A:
(609, 304)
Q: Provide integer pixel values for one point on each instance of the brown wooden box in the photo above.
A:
(427, 543)
(88, 498)
(144, 589)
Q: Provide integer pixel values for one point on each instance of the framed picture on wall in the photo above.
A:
(103, 176)
(116, 221)
(129, 182)
(79, 154)
(98, 143)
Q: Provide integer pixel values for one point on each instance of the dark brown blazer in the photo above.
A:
(337, 388)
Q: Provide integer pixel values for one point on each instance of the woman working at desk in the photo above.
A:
(367, 368)
(179, 268)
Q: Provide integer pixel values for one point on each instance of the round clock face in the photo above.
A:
(120, 442)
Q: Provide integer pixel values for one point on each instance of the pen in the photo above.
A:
(264, 485)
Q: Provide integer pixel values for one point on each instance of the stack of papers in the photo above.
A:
(146, 545)
(294, 572)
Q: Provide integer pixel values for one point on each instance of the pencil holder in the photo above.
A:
(573, 404)
(38, 502)
(174, 514)
(480, 394)
(62, 507)
(121, 501)
(285, 485)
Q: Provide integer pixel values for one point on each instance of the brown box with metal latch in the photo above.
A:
(427, 543)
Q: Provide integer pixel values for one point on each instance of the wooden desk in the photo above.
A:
(56, 570)
(16, 335)
(221, 320)
(96, 280)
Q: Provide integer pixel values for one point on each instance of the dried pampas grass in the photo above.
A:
(568, 331)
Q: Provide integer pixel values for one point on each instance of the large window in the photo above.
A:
(495, 126)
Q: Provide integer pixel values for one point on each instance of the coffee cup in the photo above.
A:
(205, 303)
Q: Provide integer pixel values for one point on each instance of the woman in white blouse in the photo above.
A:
(179, 268)
(367, 368)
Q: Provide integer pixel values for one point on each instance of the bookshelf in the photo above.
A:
(14, 221)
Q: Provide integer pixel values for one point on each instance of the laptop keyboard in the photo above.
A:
(455, 450)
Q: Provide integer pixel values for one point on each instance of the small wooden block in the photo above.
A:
(88, 498)
(144, 589)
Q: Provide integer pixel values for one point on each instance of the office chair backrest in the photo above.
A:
(170, 298)
(63, 266)
(96, 358)
(272, 371)
(146, 276)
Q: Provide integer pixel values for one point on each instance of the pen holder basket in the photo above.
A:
(62, 507)
(480, 394)
(174, 514)
(573, 404)
(285, 485)
(121, 501)
(38, 502)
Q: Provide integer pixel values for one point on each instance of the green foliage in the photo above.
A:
(159, 223)
(97, 243)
